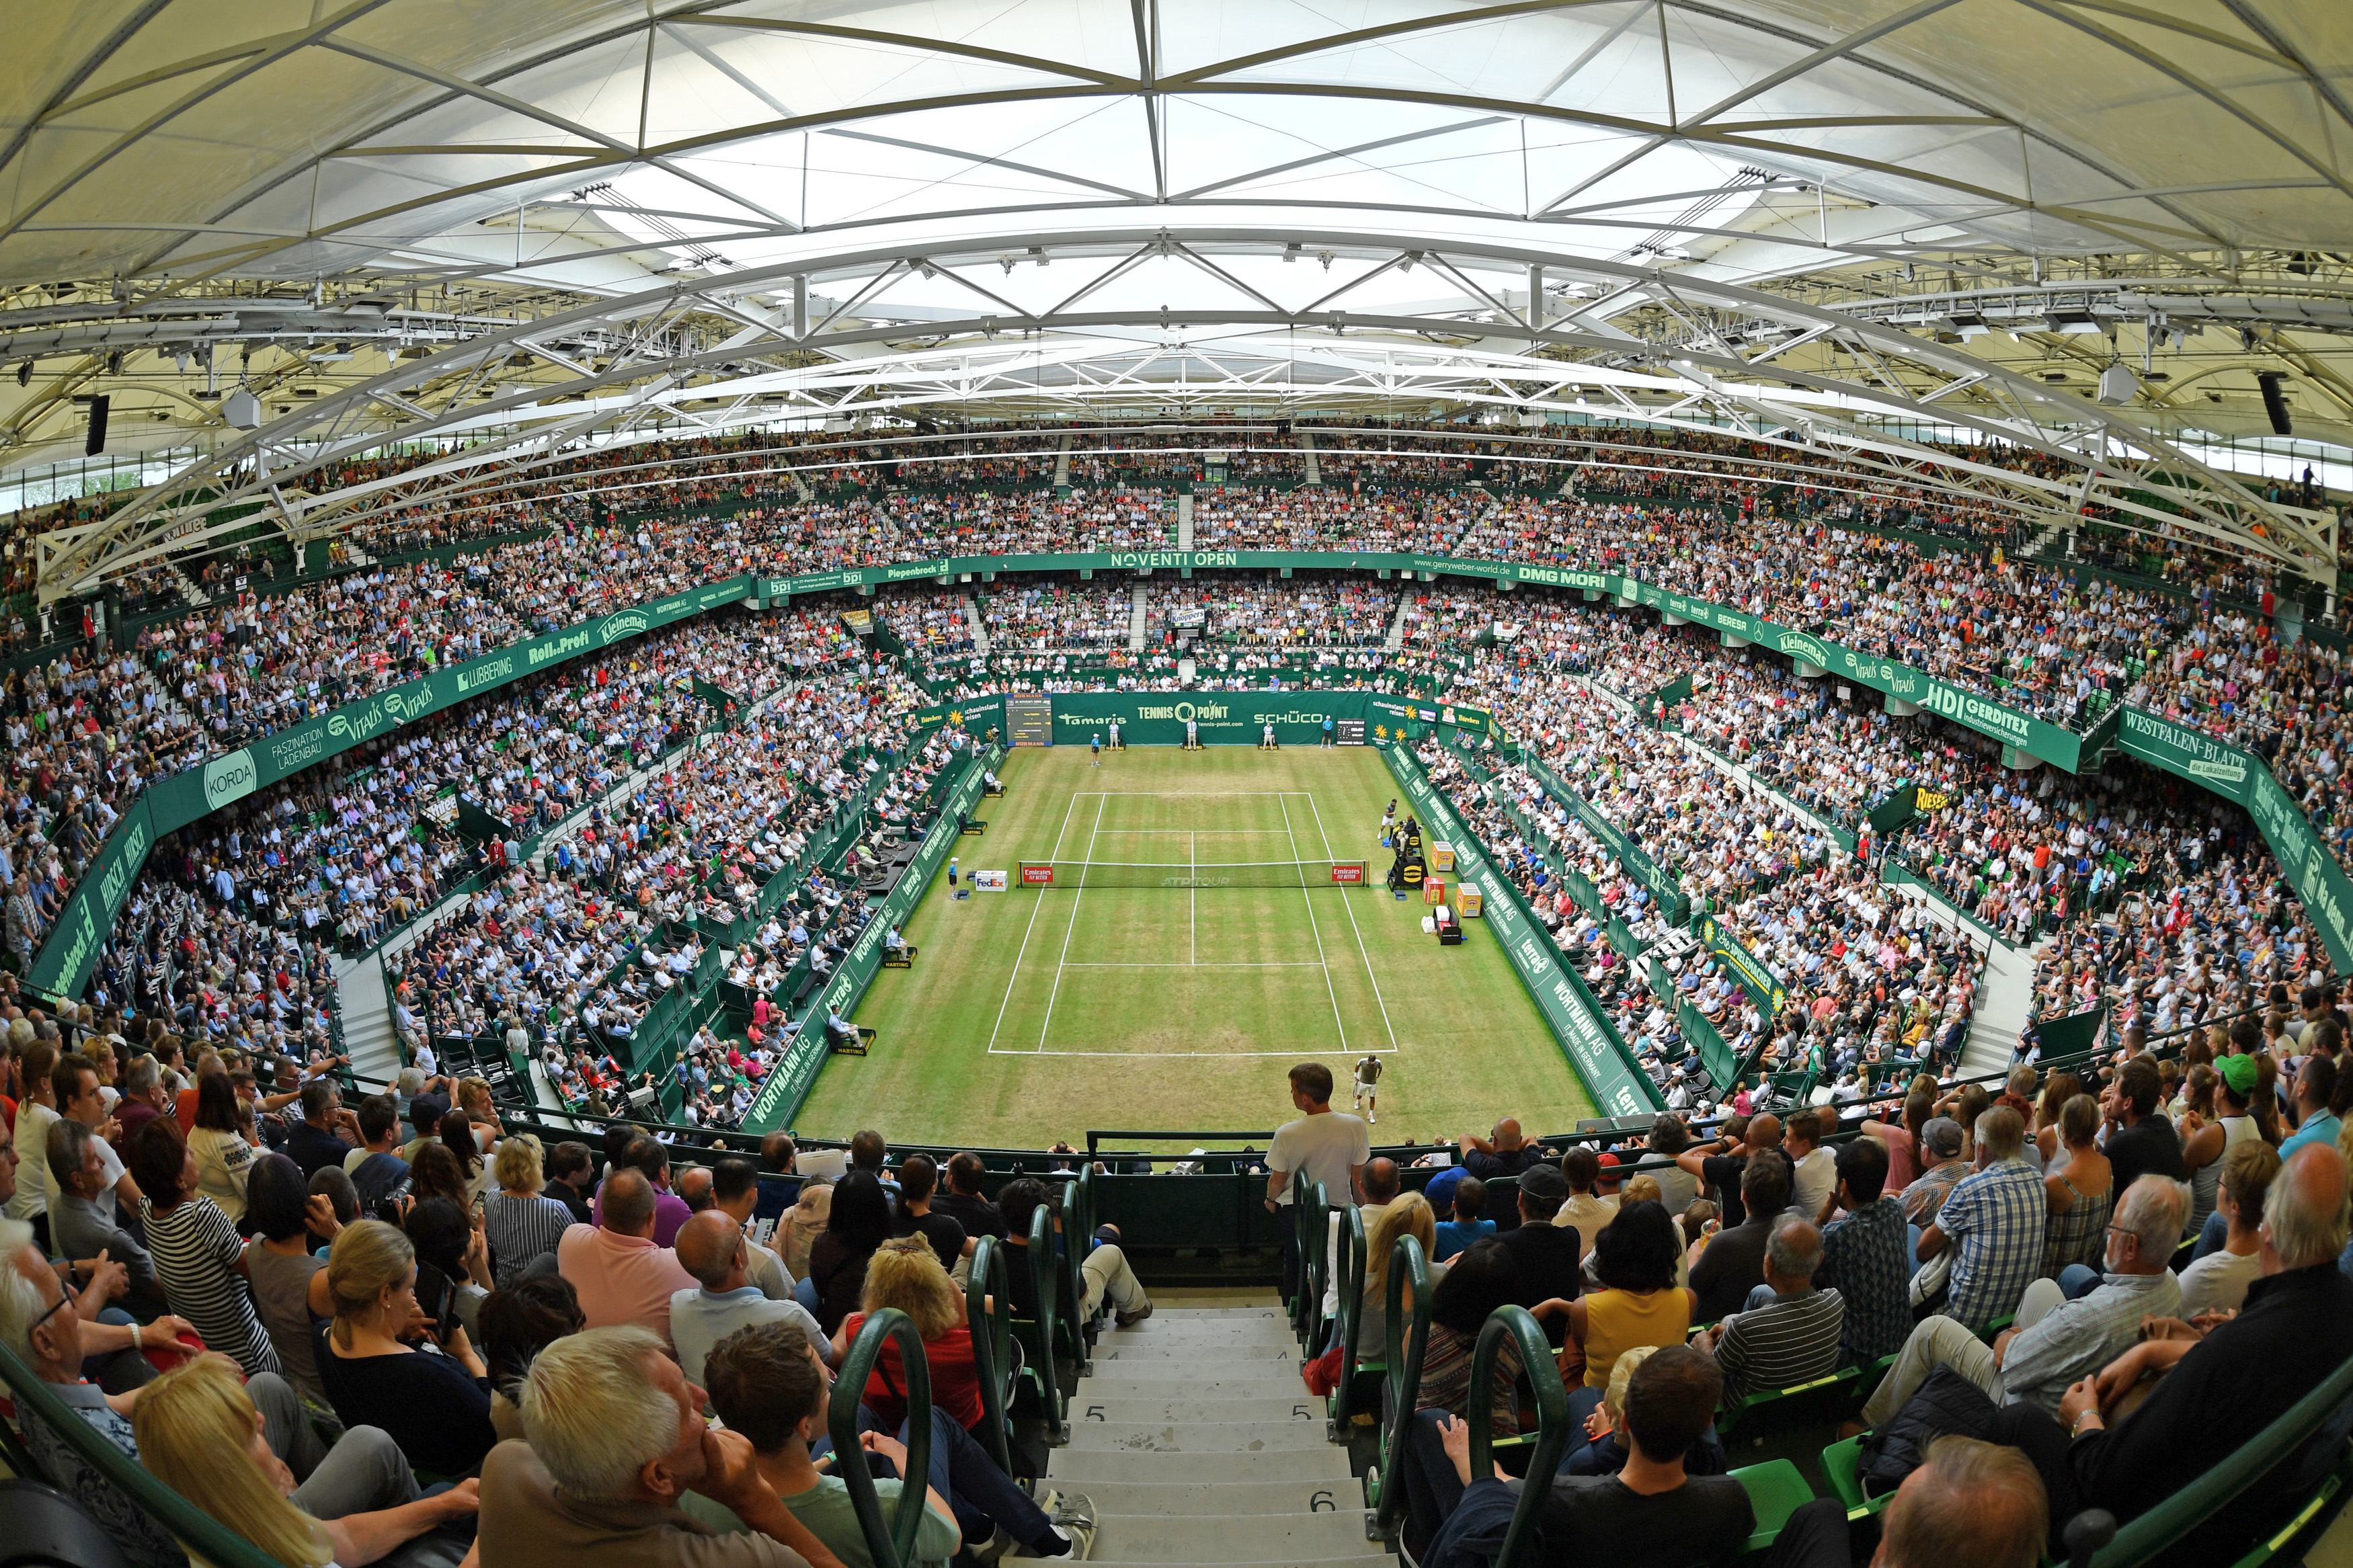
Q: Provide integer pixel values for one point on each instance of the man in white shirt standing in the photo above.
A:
(1331, 1146)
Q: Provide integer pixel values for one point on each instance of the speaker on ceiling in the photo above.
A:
(95, 442)
(2274, 403)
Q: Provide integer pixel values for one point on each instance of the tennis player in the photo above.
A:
(1367, 1098)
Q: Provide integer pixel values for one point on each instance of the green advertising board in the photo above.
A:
(1714, 1051)
(63, 964)
(2239, 777)
(1629, 856)
(1753, 976)
(1220, 718)
(788, 1082)
(1617, 1084)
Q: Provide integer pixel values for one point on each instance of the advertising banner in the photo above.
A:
(63, 964)
(1617, 1085)
(1714, 1053)
(788, 1083)
(2236, 776)
(989, 882)
(1753, 976)
(1630, 856)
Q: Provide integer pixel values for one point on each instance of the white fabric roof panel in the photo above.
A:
(283, 138)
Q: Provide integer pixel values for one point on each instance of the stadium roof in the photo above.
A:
(1856, 217)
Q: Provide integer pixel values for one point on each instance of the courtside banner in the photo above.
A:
(1598, 1057)
(1036, 876)
(1352, 872)
(789, 1081)
(989, 882)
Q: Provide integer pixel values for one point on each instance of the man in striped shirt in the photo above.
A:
(1795, 1337)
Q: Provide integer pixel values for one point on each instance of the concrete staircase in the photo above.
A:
(188, 589)
(1315, 475)
(1185, 521)
(1062, 466)
(2005, 1002)
(365, 1009)
(973, 618)
(1395, 641)
(1139, 603)
(354, 554)
(1197, 1444)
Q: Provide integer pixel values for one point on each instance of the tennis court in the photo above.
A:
(1192, 946)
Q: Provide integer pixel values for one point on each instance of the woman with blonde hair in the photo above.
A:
(1408, 1213)
(803, 1224)
(435, 1401)
(522, 1222)
(905, 1273)
(200, 1434)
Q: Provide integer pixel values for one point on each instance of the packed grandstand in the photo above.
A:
(543, 549)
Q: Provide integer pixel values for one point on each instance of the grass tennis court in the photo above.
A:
(1035, 1014)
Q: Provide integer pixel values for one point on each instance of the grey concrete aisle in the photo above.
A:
(1197, 1444)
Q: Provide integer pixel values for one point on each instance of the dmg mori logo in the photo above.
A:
(628, 623)
(229, 778)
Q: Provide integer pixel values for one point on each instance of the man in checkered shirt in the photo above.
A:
(1995, 1216)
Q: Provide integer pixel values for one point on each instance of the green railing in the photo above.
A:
(1409, 1341)
(204, 1536)
(1552, 1421)
(2094, 1542)
(890, 1542)
(988, 1316)
(1308, 1203)
(1043, 1289)
(1352, 1308)
(1077, 1219)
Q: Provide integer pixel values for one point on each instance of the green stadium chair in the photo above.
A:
(1842, 1465)
(2265, 1550)
(1774, 1412)
(1777, 1490)
(1872, 1376)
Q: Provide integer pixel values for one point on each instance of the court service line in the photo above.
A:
(1100, 800)
(1192, 896)
(1353, 926)
(1034, 907)
(1308, 899)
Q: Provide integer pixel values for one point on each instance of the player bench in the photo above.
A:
(851, 1045)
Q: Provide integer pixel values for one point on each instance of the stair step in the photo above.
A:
(1199, 1436)
(1205, 1331)
(1189, 1407)
(1125, 1348)
(1361, 1560)
(1191, 1499)
(1231, 1537)
(1226, 1384)
(1074, 1468)
(1239, 1312)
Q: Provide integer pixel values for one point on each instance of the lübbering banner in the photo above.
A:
(63, 964)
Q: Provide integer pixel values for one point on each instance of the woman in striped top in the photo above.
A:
(522, 1222)
(198, 1254)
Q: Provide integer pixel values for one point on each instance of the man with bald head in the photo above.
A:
(710, 1246)
(619, 1274)
(1718, 1165)
(2225, 1379)
(1503, 1152)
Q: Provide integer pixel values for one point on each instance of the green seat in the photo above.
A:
(1776, 1491)
(1992, 1329)
(1875, 1374)
(1840, 1467)
(2265, 1550)
(1773, 1411)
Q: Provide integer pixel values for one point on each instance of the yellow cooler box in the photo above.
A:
(1442, 856)
(1467, 900)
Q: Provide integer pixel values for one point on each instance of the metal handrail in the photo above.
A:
(1043, 1284)
(204, 1536)
(892, 1545)
(1401, 1381)
(1308, 1212)
(2094, 1542)
(988, 1316)
(1078, 1238)
(1351, 1309)
(1552, 1420)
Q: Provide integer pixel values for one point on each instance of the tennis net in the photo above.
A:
(1081, 874)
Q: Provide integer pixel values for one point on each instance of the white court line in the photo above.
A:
(1234, 832)
(1308, 899)
(1100, 800)
(1026, 931)
(1245, 964)
(1173, 1055)
(1353, 926)
(1193, 896)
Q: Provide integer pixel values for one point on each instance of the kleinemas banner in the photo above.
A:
(1600, 1059)
(2229, 772)
(779, 1100)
